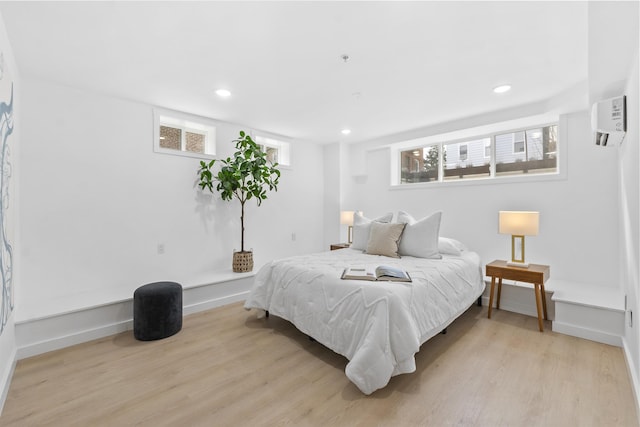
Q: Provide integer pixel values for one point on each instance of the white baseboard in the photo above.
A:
(518, 298)
(218, 302)
(587, 333)
(6, 380)
(41, 335)
(633, 376)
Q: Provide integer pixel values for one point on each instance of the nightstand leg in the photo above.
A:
(539, 306)
(499, 292)
(544, 301)
(493, 284)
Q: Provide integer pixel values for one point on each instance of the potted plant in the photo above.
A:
(246, 175)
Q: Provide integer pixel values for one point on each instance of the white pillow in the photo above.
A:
(450, 246)
(361, 227)
(420, 238)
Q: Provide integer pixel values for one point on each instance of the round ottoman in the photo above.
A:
(157, 310)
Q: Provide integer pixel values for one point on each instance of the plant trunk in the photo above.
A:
(546, 137)
(242, 227)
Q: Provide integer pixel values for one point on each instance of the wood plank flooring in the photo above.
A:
(228, 368)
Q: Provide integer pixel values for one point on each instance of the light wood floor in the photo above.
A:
(227, 368)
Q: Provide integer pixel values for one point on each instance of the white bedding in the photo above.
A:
(378, 326)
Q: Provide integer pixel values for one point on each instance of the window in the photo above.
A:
(462, 151)
(177, 138)
(183, 134)
(420, 164)
(277, 151)
(518, 142)
(466, 159)
(524, 151)
(534, 151)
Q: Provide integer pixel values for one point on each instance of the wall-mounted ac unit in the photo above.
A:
(609, 121)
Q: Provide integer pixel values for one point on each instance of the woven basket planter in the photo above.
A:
(242, 262)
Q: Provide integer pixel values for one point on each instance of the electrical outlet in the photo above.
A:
(160, 248)
(293, 237)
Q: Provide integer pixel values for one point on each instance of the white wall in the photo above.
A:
(97, 201)
(338, 171)
(331, 203)
(629, 217)
(578, 215)
(7, 338)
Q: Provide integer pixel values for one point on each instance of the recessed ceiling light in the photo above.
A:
(502, 88)
(223, 93)
(346, 131)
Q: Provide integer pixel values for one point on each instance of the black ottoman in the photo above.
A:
(157, 310)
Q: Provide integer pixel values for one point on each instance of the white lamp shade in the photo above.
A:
(519, 223)
(346, 217)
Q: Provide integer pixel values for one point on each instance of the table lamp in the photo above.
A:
(346, 218)
(518, 224)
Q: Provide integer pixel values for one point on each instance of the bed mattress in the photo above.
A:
(377, 326)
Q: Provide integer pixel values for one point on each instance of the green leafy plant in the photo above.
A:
(431, 160)
(245, 176)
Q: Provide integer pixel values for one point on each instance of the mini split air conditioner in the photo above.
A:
(609, 121)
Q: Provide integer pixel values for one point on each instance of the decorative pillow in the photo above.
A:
(361, 227)
(450, 246)
(384, 239)
(420, 238)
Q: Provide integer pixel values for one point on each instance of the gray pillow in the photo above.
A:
(361, 227)
(384, 239)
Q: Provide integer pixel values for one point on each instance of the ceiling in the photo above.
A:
(412, 64)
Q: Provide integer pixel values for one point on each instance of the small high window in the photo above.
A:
(277, 151)
(183, 134)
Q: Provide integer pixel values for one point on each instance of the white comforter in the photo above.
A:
(378, 326)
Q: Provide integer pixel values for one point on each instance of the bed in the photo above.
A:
(377, 326)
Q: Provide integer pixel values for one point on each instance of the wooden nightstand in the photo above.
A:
(536, 274)
(339, 246)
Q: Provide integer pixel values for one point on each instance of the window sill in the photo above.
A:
(170, 152)
(519, 179)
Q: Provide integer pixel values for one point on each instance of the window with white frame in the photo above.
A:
(420, 164)
(463, 150)
(536, 151)
(183, 134)
(515, 153)
(277, 151)
(518, 142)
(469, 163)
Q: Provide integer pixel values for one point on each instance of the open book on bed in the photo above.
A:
(380, 273)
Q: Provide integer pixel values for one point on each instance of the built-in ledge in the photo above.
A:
(586, 311)
(54, 323)
(592, 312)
